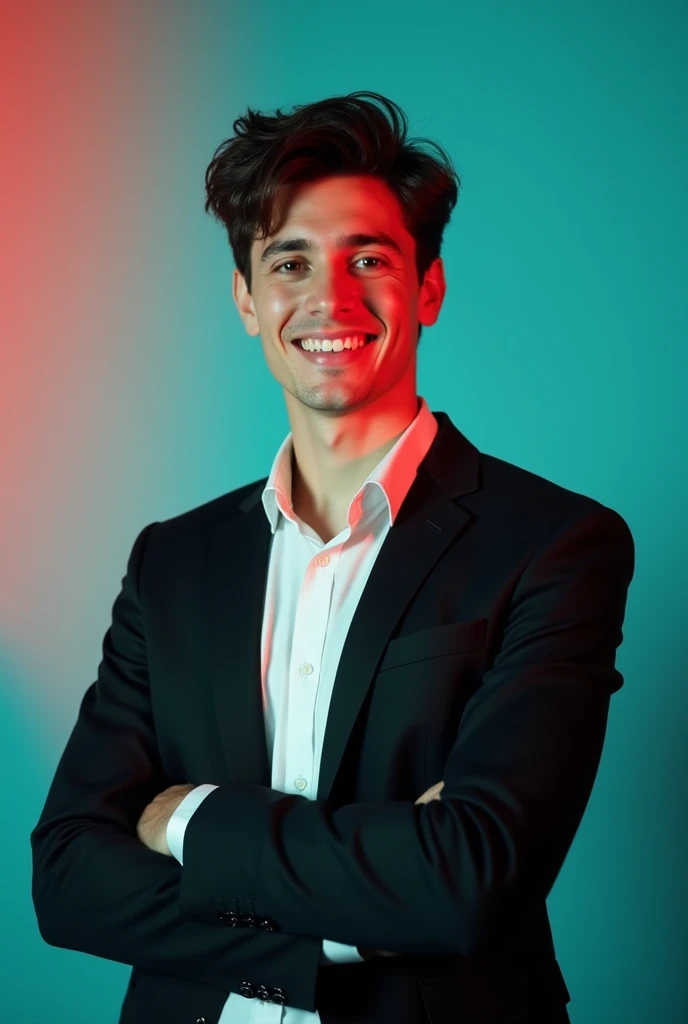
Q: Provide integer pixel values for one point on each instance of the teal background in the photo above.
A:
(560, 347)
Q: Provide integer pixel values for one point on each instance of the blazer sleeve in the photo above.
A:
(96, 887)
(332, 952)
(452, 875)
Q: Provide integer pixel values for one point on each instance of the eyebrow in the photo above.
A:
(341, 241)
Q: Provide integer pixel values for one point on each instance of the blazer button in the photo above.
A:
(229, 917)
(278, 995)
(262, 993)
(246, 989)
(248, 920)
(267, 923)
(200, 1020)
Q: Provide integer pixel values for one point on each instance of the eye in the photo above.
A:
(299, 263)
(376, 258)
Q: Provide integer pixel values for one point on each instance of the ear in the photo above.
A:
(244, 303)
(432, 292)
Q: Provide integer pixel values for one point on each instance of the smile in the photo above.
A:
(351, 342)
(337, 351)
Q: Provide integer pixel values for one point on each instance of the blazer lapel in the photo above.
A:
(234, 592)
(427, 523)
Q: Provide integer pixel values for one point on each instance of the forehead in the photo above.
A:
(331, 207)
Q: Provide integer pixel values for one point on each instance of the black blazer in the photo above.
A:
(482, 653)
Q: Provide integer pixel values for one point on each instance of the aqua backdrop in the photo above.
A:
(129, 391)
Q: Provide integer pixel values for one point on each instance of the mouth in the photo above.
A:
(348, 350)
(317, 347)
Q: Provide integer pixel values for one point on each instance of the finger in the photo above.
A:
(431, 794)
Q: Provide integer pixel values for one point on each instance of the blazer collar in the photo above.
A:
(234, 592)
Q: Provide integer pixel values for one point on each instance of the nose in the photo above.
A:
(332, 292)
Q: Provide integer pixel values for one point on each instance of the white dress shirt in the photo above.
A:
(312, 593)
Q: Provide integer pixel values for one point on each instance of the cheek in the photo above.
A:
(393, 301)
(274, 306)
(279, 300)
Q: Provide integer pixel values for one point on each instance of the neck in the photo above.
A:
(332, 456)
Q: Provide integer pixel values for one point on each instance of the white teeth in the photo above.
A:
(353, 342)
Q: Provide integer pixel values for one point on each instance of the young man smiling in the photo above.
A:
(341, 263)
(389, 611)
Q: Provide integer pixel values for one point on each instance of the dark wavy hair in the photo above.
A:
(339, 135)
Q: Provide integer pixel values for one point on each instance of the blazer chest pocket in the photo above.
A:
(451, 638)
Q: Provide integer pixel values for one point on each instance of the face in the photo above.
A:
(313, 275)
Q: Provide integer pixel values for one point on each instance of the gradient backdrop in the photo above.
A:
(130, 392)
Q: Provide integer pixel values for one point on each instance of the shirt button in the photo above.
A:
(322, 560)
(300, 783)
(306, 669)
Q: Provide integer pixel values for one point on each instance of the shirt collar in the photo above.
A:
(387, 484)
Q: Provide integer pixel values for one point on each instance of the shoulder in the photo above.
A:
(520, 498)
(188, 534)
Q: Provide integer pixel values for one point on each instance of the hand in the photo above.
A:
(152, 824)
(430, 794)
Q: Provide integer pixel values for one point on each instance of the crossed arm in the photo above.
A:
(152, 828)
(432, 879)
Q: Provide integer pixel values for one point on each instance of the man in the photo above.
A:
(390, 612)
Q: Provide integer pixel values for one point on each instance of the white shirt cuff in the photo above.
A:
(179, 819)
(338, 953)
